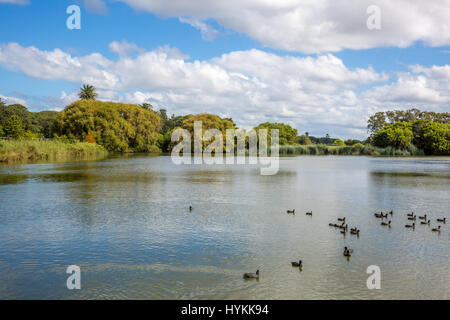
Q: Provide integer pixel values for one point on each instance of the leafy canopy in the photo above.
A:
(116, 126)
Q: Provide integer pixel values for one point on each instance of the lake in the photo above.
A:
(126, 222)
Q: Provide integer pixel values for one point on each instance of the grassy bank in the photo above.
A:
(355, 150)
(48, 150)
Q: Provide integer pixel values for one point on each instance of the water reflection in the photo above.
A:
(126, 222)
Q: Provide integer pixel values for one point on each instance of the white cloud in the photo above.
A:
(124, 48)
(12, 100)
(208, 32)
(312, 26)
(316, 94)
(96, 6)
(19, 2)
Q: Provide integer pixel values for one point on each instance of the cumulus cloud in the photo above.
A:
(12, 100)
(124, 48)
(316, 94)
(313, 26)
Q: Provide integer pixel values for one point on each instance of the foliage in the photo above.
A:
(382, 119)
(287, 134)
(338, 142)
(351, 142)
(39, 123)
(48, 150)
(209, 121)
(14, 127)
(398, 135)
(354, 150)
(116, 126)
(89, 138)
(87, 92)
(146, 106)
(2, 133)
(303, 140)
(434, 138)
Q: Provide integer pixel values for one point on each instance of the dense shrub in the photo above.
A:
(116, 126)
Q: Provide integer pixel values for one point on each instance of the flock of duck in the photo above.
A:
(411, 217)
(343, 227)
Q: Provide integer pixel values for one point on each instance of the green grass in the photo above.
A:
(48, 150)
(355, 150)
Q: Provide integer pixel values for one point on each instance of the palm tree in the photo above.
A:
(87, 92)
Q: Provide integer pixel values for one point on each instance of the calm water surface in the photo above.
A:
(126, 223)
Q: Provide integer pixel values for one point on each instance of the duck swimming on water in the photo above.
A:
(386, 224)
(297, 264)
(251, 275)
(347, 252)
(438, 229)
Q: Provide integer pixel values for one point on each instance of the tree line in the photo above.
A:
(429, 131)
(123, 127)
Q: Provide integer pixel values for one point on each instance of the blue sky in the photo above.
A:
(248, 62)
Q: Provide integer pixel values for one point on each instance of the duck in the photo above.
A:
(354, 231)
(297, 264)
(441, 220)
(412, 218)
(291, 211)
(425, 222)
(347, 252)
(343, 226)
(438, 229)
(386, 224)
(344, 232)
(309, 213)
(251, 275)
(410, 225)
(333, 225)
(341, 219)
(391, 212)
(410, 214)
(190, 208)
(424, 217)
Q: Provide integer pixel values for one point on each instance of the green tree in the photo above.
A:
(146, 106)
(338, 142)
(303, 140)
(435, 138)
(398, 135)
(2, 104)
(87, 92)
(287, 134)
(2, 133)
(116, 126)
(14, 127)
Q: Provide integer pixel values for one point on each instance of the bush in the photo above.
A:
(398, 136)
(116, 126)
(435, 138)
